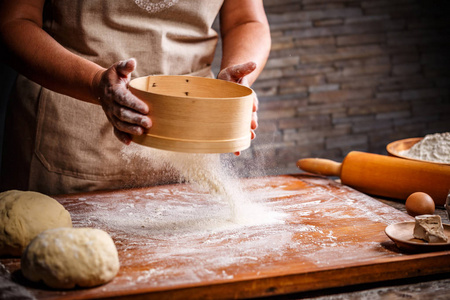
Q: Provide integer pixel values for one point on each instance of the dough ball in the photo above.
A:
(65, 257)
(23, 215)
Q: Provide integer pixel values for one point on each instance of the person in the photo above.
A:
(71, 113)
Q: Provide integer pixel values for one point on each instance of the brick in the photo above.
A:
(365, 61)
(370, 126)
(366, 70)
(328, 22)
(422, 93)
(264, 138)
(282, 62)
(346, 141)
(282, 104)
(403, 122)
(339, 96)
(395, 95)
(270, 73)
(301, 95)
(314, 42)
(302, 81)
(309, 121)
(361, 39)
(359, 83)
(265, 126)
(328, 108)
(284, 42)
(413, 38)
(305, 137)
(290, 25)
(276, 114)
(266, 91)
(336, 77)
(396, 11)
(267, 83)
(284, 90)
(278, 3)
(314, 15)
(366, 19)
(375, 107)
(339, 119)
(405, 58)
(384, 3)
(368, 27)
(430, 107)
(281, 10)
(393, 115)
(406, 69)
(344, 53)
(323, 88)
(306, 2)
(410, 82)
(427, 23)
(307, 71)
(302, 51)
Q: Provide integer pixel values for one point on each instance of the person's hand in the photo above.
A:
(126, 112)
(238, 73)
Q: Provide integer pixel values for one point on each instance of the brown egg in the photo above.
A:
(419, 204)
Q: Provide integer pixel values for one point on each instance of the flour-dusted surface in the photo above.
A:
(433, 147)
(173, 237)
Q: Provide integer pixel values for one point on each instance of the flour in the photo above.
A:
(433, 147)
(208, 172)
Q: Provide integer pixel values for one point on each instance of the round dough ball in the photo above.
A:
(23, 215)
(65, 257)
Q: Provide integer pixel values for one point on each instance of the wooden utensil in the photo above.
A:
(385, 176)
(195, 114)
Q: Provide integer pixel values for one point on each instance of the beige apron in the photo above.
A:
(56, 144)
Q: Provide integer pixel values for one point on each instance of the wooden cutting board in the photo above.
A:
(300, 233)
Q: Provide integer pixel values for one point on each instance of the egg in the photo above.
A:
(419, 204)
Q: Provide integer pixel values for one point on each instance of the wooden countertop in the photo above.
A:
(177, 242)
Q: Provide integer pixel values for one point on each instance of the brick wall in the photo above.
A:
(349, 75)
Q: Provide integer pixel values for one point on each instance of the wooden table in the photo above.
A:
(301, 234)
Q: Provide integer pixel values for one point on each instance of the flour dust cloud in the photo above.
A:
(212, 173)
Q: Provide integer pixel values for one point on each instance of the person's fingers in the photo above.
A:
(127, 127)
(125, 98)
(237, 72)
(129, 116)
(255, 103)
(254, 122)
(125, 67)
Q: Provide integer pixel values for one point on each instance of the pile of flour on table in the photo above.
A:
(213, 174)
(433, 147)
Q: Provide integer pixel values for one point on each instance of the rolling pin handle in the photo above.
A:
(320, 166)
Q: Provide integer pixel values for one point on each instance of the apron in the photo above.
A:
(55, 144)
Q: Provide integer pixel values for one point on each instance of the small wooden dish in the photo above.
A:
(195, 114)
(402, 235)
(395, 149)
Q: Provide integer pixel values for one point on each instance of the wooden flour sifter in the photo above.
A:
(195, 114)
(384, 175)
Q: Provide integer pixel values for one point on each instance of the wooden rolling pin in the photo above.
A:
(385, 175)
